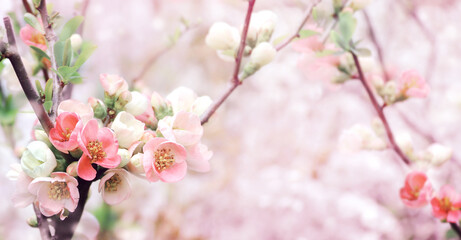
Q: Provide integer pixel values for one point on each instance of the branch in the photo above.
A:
(235, 81)
(379, 50)
(455, 228)
(27, 6)
(307, 15)
(51, 38)
(42, 224)
(380, 112)
(11, 52)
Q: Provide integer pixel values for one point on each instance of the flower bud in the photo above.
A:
(72, 169)
(125, 156)
(439, 154)
(99, 108)
(127, 129)
(222, 36)
(32, 221)
(161, 107)
(138, 104)
(122, 100)
(261, 27)
(40, 135)
(405, 142)
(76, 41)
(113, 84)
(38, 160)
(263, 54)
(136, 164)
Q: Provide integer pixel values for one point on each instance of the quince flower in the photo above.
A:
(446, 205)
(127, 129)
(55, 193)
(411, 84)
(99, 146)
(32, 37)
(84, 111)
(417, 190)
(164, 160)
(65, 135)
(113, 84)
(115, 186)
(185, 99)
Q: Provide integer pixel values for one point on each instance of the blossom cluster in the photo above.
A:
(418, 192)
(126, 133)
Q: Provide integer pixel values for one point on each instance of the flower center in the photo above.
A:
(96, 151)
(112, 184)
(58, 191)
(38, 38)
(164, 159)
(66, 134)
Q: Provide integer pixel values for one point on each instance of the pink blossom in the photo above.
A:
(148, 118)
(65, 135)
(84, 111)
(99, 146)
(198, 157)
(164, 160)
(411, 84)
(113, 84)
(55, 193)
(417, 190)
(21, 196)
(446, 205)
(184, 128)
(115, 186)
(32, 37)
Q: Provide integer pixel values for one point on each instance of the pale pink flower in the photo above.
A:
(164, 160)
(417, 190)
(412, 84)
(99, 146)
(113, 84)
(148, 118)
(84, 111)
(21, 196)
(64, 136)
(55, 193)
(446, 205)
(87, 228)
(115, 186)
(32, 37)
(184, 128)
(198, 157)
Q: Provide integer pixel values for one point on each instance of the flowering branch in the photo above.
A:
(42, 224)
(380, 112)
(51, 38)
(235, 79)
(11, 52)
(307, 15)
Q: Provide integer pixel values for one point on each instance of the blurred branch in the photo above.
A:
(307, 15)
(235, 81)
(379, 50)
(42, 224)
(380, 112)
(27, 6)
(85, 5)
(11, 52)
(455, 228)
(332, 25)
(153, 59)
(51, 38)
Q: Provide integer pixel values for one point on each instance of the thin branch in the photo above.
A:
(42, 223)
(11, 52)
(380, 112)
(27, 6)
(51, 38)
(235, 81)
(455, 228)
(333, 24)
(307, 15)
(379, 50)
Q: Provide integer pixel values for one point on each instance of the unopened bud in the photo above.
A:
(135, 165)
(32, 221)
(99, 108)
(125, 156)
(222, 36)
(261, 27)
(439, 153)
(40, 135)
(263, 54)
(72, 169)
(138, 104)
(161, 107)
(122, 100)
(76, 41)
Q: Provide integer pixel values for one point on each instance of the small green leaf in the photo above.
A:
(347, 24)
(279, 40)
(33, 21)
(336, 38)
(40, 53)
(450, 234)
(49, 90)
(70, 27)
(87, 49)
(305, 33)
(39, 88)
(59, 52)
(364, 52)
(47, 105)
(67, 55)
(36, 3)
(69, 74)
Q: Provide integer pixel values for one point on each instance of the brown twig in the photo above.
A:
(307, 15)
(380, 112)
(27, 6)
(379, 50)
(51, 38)
(235, 81)
(11, 52)
(42, 223)
(456, 229)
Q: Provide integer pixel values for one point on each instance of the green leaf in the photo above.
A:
(33, 21)
(67, 55)
(59, 52)
(347, 24)
(338, 39)
(49, 90)
(87, 49)
(69, 74)
(39, 88)
(36, 3)
(305, 33)
(47, 105)
(40, 53)
(279, 40)
(364, 52)
(450, 234)
(70, 27)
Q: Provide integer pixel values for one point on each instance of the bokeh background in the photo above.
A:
(279, 169)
